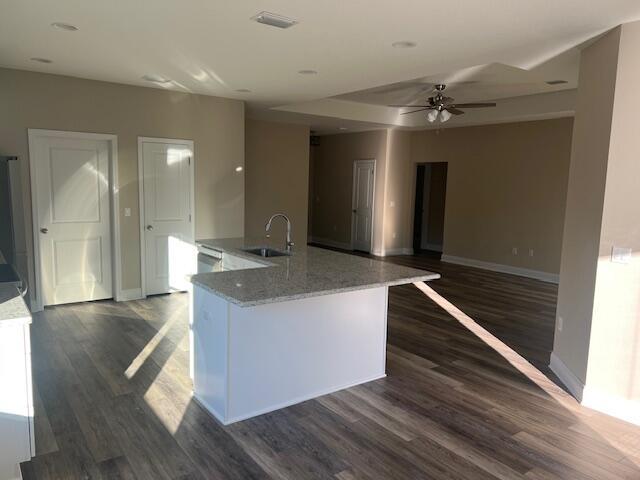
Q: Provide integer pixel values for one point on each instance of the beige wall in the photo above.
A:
(396, 200)
(506, 188)
(599, 299)
(333, 182)
(216, 125)
(276, 177)
(614, 358)
(591, 134)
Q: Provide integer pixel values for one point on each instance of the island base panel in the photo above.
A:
(252, 360)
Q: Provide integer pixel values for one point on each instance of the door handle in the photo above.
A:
(44, 230)
(149, 227)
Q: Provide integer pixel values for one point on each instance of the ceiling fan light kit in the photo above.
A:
(445, 116)
(441, 107)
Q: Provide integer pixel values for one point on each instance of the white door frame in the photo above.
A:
(143, 247)
(353, 201)
(114, 221)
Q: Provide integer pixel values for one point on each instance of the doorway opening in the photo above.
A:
(428, 219)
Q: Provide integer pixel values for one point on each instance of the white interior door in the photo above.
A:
(363, 185)
(170, 253)
(73, 224)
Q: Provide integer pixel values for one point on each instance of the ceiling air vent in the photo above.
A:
(556, 82)
(274, 20)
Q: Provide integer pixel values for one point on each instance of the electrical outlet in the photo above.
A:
(531, 252)
(560, 323)
(394, 235)
(621, 255)
(127, 212)
(514, 250)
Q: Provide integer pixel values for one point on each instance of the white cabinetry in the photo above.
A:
(251, 360)
(16, 394)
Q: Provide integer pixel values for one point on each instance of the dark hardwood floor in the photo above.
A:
(113, 397)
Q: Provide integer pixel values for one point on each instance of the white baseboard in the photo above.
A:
(346, 246)
(330, 243)
(498, 267)
(130, 294)
(386, 252)
(622, 408)
(566, 376)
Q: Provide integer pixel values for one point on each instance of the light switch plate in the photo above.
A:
(127, 212)
(621, 255)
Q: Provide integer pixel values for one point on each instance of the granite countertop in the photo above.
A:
(13, 310)
(307, 272)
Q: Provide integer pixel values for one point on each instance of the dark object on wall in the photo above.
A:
(7, 246)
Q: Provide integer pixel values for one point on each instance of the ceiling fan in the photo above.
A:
(441, 107)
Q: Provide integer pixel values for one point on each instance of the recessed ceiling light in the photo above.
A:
(243, 90)
(307, 72)
(342, 128)
(274, 20)
(239, 169)
(64, 26)
(556, 82)
(41, 60)
(155, 78)
(403, 44)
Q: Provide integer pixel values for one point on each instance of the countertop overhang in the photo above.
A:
(307, 272)
(13, 310)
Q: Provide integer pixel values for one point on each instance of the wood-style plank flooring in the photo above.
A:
(112, 398)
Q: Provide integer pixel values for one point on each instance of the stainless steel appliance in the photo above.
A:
(209, 260)
(8, 272)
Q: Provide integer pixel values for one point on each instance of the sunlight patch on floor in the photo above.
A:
(619, 440)
(515, 359)
(148, 349)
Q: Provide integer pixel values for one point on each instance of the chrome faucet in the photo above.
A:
(268, 227)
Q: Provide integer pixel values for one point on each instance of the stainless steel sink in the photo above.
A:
(266, 252)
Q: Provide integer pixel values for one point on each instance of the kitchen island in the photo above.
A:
(271, 332)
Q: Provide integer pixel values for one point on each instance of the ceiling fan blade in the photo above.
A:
(474, 105)
(419, 110)
(454, 111)
(410, 106)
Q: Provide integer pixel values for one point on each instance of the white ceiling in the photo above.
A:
(212, 47)
(479, 83)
